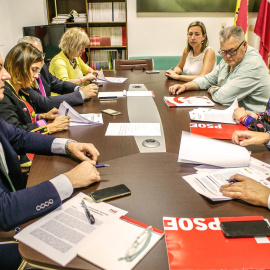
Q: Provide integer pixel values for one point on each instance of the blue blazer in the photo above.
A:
(52, 84)
(25, 204)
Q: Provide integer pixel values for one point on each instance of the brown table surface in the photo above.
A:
(157, 188)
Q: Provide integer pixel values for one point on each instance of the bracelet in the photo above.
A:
(185, 87)
(81, 80)
(66, 147)
(241, 120)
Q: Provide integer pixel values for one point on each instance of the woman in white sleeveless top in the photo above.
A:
(198, 58)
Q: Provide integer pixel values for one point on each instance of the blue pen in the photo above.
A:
(66, 113)
(232, 180)
(102, 165)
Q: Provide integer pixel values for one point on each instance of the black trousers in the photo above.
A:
(10, 258)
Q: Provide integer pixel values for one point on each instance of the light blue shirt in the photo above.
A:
(249, 82)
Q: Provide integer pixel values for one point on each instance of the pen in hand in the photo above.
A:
(66, 113)
(89, 216)
(102, 165)
(232, 180)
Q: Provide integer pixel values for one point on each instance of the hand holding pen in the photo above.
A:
(246, 189)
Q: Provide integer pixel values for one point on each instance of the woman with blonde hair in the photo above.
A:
(198, 58)
(68, 65)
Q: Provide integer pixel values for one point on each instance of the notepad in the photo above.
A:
(105, 248)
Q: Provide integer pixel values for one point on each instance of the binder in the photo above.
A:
(199, 243)
(215, 131)
(188, 101)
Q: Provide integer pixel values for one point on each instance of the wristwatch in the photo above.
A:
(66, 147)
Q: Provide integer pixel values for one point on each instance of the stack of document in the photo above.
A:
(61, 18)
(209, 183)
(77, 119)
(79, 19)
(212, 115)
(197, 149)
(102, 78)
(221, 161)
(66, 232)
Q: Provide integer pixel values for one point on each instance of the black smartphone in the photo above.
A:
(236, 229)
(110, 193)
(108, 98)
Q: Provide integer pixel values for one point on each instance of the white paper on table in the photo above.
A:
(197, 149)
(102, 78)
(133, 129)
(105, 249)
(213, 115)
(208, 184)
(79, 119)
(140, 94)
(126, 93)
(259, 167)
(59, 234)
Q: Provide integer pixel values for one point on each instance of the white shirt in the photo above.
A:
(194, 64)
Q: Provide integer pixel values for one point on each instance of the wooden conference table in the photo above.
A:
(157, 188)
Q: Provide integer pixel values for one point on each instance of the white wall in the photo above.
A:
(150, 36)
(146, 35)
(14, 15)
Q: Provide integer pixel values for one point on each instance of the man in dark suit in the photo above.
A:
(41, 97)
(18, 204)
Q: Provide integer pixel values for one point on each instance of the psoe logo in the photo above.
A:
(112, 211)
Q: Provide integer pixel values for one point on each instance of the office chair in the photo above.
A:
(144, 64)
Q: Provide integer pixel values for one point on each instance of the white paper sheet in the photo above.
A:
(106, 248)
(79, 119)
(126, 93)
(197, 149)
(213, 115)
(255, 165)
(208, 184)
(101, 78)
(133, 129)
(59, 234)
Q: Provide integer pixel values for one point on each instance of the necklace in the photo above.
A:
(72, 63)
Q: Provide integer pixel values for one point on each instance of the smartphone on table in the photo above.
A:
(236, 229)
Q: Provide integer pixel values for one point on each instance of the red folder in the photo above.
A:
(216, 131)
(199, 243)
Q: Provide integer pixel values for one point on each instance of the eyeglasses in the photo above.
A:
(144, 238)
(230, 52)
